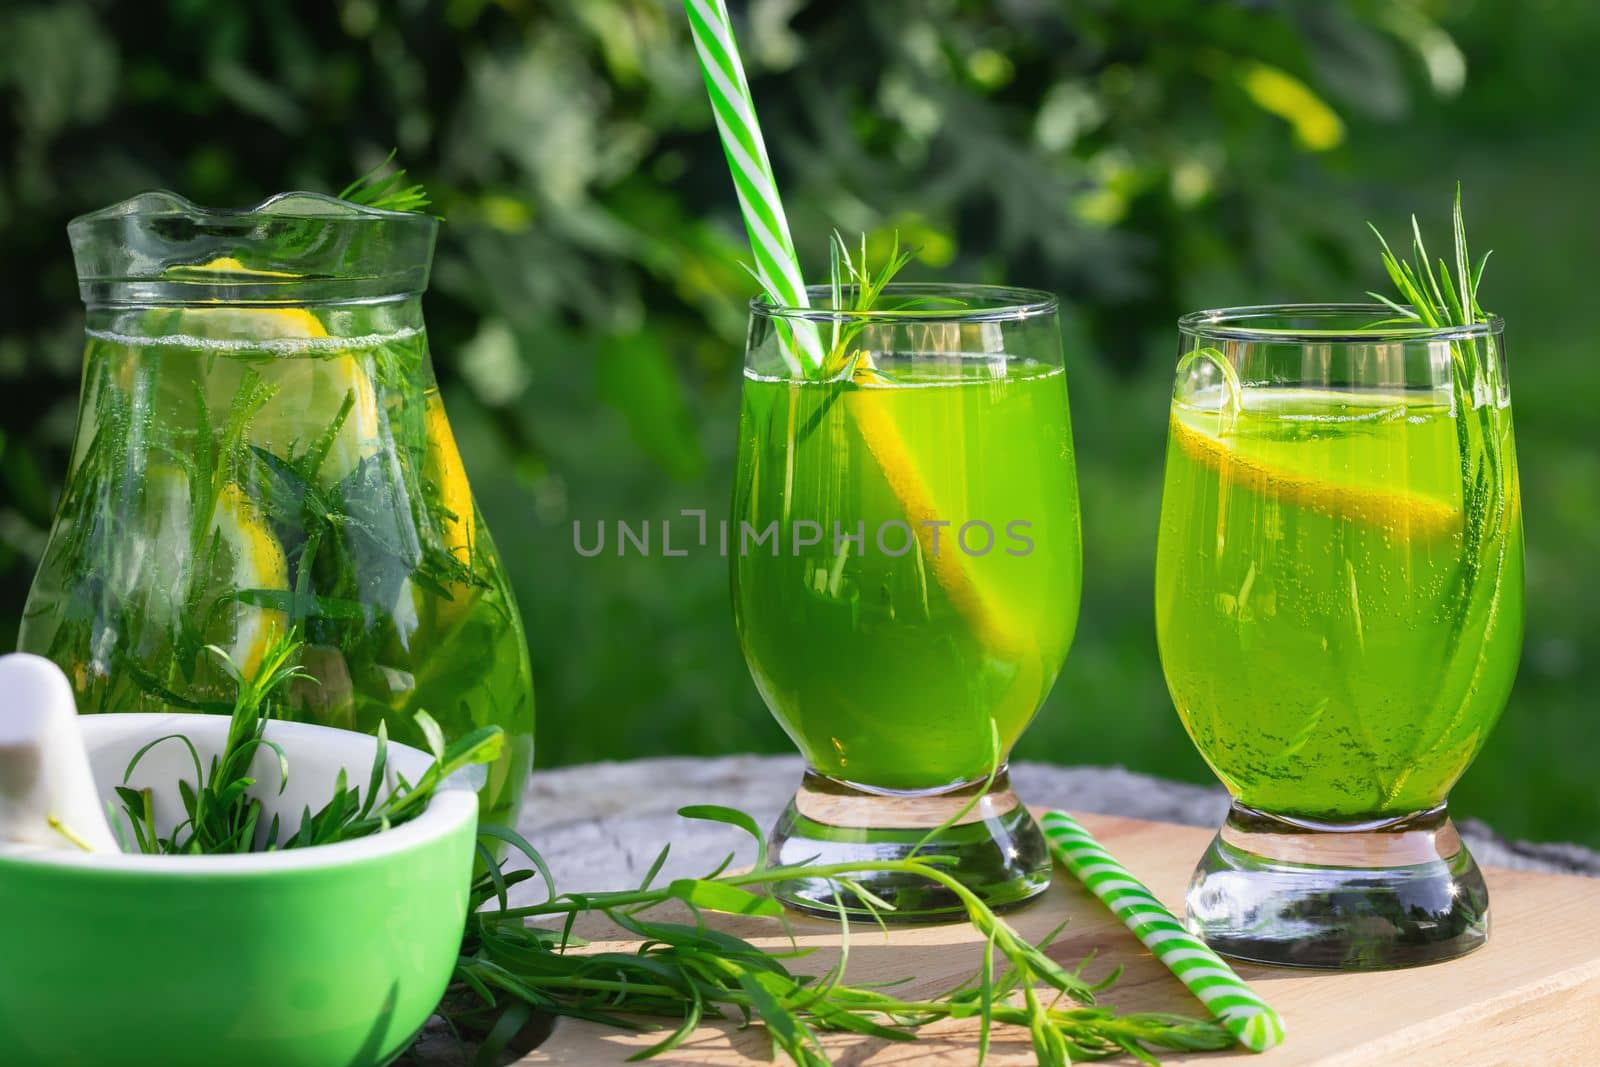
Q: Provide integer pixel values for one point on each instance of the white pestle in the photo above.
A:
(47, 791)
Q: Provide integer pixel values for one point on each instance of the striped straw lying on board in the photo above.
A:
(1245, 1015)
(777, 266)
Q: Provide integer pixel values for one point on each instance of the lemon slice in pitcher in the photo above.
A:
(241, 322)
(257, 564)
(247, 557)
(442, 467)
(314, 376)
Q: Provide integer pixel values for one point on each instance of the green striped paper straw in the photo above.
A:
(777, 267)
(1234, 1004)
(778, 270)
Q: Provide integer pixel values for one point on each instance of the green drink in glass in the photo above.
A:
(1339, 609)
(906, 575)
(261, 446)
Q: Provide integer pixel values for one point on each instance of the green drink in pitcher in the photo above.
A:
(906, 568)
(261, 447)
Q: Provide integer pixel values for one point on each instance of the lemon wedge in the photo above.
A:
(443, 470)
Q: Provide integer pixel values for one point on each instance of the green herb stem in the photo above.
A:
(686, 971)
(385, 190)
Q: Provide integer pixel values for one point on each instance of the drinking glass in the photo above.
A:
(1339, 584)
(906, 568)
(261, 447)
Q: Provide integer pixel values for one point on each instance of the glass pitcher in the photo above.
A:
(261, 448)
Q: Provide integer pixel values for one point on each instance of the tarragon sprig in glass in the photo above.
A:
(1432, 294)
(1432, 298)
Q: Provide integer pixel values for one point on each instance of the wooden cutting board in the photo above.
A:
(1531, 996)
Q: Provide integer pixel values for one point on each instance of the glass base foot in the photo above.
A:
(1343, 897)
(997, 848)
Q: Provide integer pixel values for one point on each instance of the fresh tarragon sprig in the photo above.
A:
(386, 189)
(688, 972)
(1431, 297)
(508, 970)
(855, 288)
(223, 811)
(1441, 298)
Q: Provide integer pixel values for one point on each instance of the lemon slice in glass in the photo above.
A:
(1329, 476)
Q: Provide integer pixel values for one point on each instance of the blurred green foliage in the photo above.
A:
(1138, 156)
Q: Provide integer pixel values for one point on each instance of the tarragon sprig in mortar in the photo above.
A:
(222, 806)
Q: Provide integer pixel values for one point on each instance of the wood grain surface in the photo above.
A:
(1532, 996)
